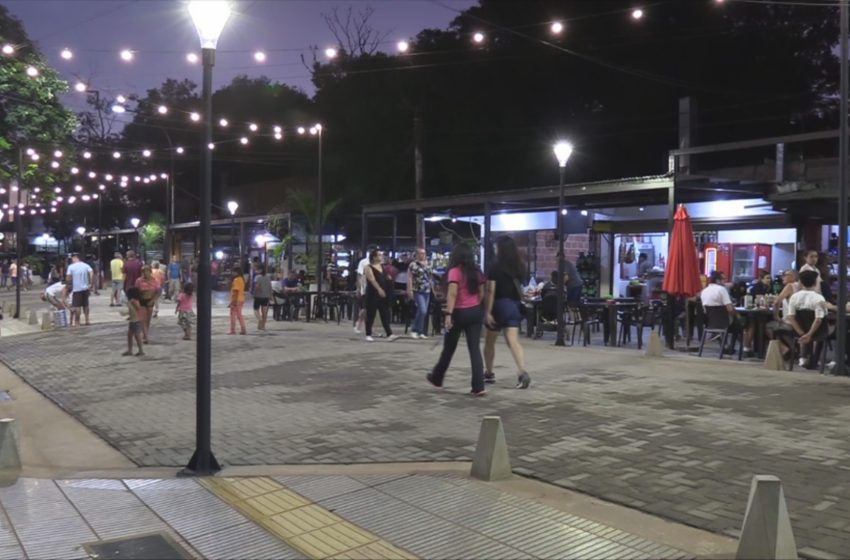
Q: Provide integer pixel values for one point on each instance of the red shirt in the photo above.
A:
(465, 300)
(132, 272)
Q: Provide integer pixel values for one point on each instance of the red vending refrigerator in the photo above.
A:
(748, 260)
(718, 256)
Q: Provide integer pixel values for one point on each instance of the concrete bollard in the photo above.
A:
(10, 453)
(32, 317)
(46, 321)
(767, 532)
(491, 461)
(11, 312)
(773, 358)
(654, 348)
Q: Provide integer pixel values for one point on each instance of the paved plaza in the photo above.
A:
(678, 437)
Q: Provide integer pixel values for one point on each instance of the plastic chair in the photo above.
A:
(820, 340)
(718, 322)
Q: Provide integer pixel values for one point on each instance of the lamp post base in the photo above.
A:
(196, 467)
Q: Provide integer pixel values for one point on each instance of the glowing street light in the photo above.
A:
(557, 27)
(563, 150)
(232, 206)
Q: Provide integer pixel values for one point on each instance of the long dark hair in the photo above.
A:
(507, 257)
(463, 258)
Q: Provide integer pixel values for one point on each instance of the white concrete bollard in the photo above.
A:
(767, 532)
(491, 461)
(32, 317)
(654, 348)
(11, 311)
(46, 321)
(10, 454)
(773, 357)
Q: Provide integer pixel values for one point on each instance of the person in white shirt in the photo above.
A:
(807, 299)
(80, 276)
(716, 295)
(361, 289)
(56, 295)
(811, 258)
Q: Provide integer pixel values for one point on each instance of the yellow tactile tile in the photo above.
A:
(303, 525)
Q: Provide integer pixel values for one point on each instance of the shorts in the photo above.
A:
(574, 296)
(146, 302)
(185, 319)
(507, 313)
(260, 302)
(117, 285)
(134, 327)
(80, 299)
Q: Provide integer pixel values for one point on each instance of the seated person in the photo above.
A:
(551, 285)
(764, 285)
(716, 295)
(807, 298)
(779, 325)
(292, 283)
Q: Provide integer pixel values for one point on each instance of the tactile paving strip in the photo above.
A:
(303, 525)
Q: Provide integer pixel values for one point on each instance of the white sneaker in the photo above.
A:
(356, 330)
(370, 339)
(802, 362)
(414, 336)
(423, 337)
(392, 337)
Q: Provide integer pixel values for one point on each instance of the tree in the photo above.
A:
(302, 204)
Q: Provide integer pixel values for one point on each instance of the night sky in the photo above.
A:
(162, 33)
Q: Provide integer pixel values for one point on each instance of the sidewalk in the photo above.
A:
(370, 516)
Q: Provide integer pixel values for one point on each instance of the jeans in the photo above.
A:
(468, 321)
(382, 306)
(420, 322)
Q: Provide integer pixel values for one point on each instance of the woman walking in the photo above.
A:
(379, 288)
(419, 290)
(262, 295)
(237, 300)
(159, 276)
(148, 288)
(504, 308)
(463, 315)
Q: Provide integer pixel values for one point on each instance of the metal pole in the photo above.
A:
(19, 233)
(841, 326)
(236, 256)
(99, 235)
(418, 177)
(203, 461)
(559, 341)
(320, 256)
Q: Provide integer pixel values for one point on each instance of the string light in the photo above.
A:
(557, 27)
(637, 14)
(243, 141)
(146, 153)
(180, 149)
(92, 175)
(402, 46)
(54, 164)
(278, 136)
(211, 146)
(57, 190)
(126, 55)
(301, 130)
(331, 52)
(8, 49)
(162, 109)
(163, 175)
(137, 178)
(253, 127)
(108, 177)
(124, 178)
(32, 71)
(78, 188)
(86, 198)
(75, 170)
(80, 87)
(223, 122)
(478, 37)
(260, 56)
(35, 157)
(118, 109)
(195, 117)
(57, 154)
(192, 58)
(87, 155)
(30, 151)
(278, 130)
(66, 54)
(116, 155)
(121, 99)
(146, 180)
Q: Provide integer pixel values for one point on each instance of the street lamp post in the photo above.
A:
(209, 17)
(81, 231)
(135, 223)
(316, 130)
(232, 206)
(563, 151)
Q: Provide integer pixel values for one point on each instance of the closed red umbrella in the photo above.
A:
(681, 277)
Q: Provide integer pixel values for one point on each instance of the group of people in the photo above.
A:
(9, 274)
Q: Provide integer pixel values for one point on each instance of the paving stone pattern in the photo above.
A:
(679, 437)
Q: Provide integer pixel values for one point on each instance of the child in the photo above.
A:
(136, 316)
(237, 300)
(185, 315)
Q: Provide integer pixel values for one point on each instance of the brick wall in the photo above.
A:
(547, 250)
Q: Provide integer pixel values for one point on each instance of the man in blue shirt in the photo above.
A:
(80, 277)
(173, 275)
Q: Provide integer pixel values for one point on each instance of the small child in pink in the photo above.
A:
(185, 315)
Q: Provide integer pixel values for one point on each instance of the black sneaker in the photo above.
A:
(430, 378)
(523, 381)
(489, 377)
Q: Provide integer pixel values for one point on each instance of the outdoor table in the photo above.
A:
(760, 316)
(532, 310)
(608, 313)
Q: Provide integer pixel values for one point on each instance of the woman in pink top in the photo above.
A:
(464, 314)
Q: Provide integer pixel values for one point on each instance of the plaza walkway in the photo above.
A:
(678, 437)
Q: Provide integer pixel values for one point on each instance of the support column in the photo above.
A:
(488, 241)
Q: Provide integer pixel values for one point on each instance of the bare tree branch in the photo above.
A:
(353, 31)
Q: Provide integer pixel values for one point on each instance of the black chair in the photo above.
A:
(820, 340)
(547, 319)
(719, 323)
(582, 317)
(639, 319)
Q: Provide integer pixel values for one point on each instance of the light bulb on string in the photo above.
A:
(116, 155)
(86, 198)
(95, 196)
(66, 54)
(37, 190)
(78, 188)
(60, 199)
(35, 157)
(192, 58)
(278, 136)
(402, 46)
(478, 37)
(277, 129)
(57, 154)
(637, 14)
(32, 71)
(146, 153)
(92, 174)
(223, 122)
(74, 170)
(146, 181)
(301, 130)
(101, 187)
(53, 210)
(137, 178)
(30, 151)
(331, 53)
(121, 99)
(80, 87)
(86, 155)
(118, 109)
(195, 117)
(253, 127)
(72, 199)
(14, 188)
(2, 190)
(108, 177)
(57, 190)
(163, 175)
(211, 146)
(260, 56)
(243, 141)
(126, 55)
(54, 164)
(8, 49)
(180, 149)
(124, 178)
(162, 109)
(557, 27)
(313, 130)
(152, 177)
